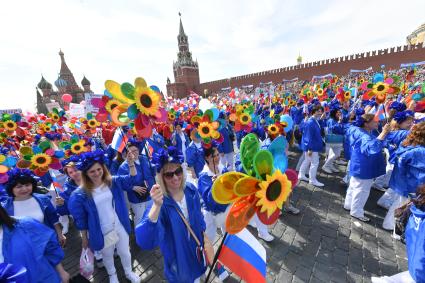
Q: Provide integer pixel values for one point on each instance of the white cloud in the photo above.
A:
(123, 39)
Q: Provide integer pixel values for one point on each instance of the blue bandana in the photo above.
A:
(87, 159)
(163, 156)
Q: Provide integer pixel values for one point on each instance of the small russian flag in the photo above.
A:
(119, 140)
(244, 256)
(380, 113)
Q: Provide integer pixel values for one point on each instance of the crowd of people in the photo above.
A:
(111, 176)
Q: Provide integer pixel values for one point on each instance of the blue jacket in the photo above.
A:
(312, 136)
(367, 160)
(46, 180)
(296, 114)
(195, 158)
(334, 127)
(392, 142)
(171, 235)
(409, 170)
(68, 188)
(51, 217)
(415, 244)
(204, 187)
(86, 217)
(349, 128)
(144, 178)
(227, 145)
(34, 246)
(114, 166)
(179, 142)
(157, 142)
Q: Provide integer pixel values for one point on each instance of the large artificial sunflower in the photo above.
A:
(319, 92)
(205, 130)
(147, 101)
(245, 118)
(380, 88)
(10, 125)
(111, 104)
(171, 116)
(41, 160)
(274, 192)
(92, 123)
(347, 95)
(273, 130)
(78, 147)
(55, 117)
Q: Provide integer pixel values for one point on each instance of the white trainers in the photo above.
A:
(302, 178)
(292, 209)
(316, 183)
(133, 277)
(334, 169)
(340, 162)
(327, 170)
(266, 237)
(113, 278)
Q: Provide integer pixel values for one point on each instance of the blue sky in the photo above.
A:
(121, 40)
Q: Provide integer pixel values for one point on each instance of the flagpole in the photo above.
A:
(216, 257)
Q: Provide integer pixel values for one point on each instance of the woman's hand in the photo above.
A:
(157, 195)
(84, 242)
(309, 153)
(62, 239)
(59, 201)
(140, 190)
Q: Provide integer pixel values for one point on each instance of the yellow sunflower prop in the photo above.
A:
(78, 147)
(147, 101)
(41, 160)
(10, 125)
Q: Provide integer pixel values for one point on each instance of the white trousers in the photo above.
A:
(389, 220)
(228, 160)
(123, 250)
(311, 163)
(403, 277)
(383, 180)
(387, 198)
(300, 161)
(357, 195)
(64, 221)
(262, 228)
(138, 210)
(213, 222)
(334, 151)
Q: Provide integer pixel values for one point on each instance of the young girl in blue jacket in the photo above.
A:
(366, 163)
(100, 213)
(163, 225)
(28, 244)
(409, 168)
(22, 201)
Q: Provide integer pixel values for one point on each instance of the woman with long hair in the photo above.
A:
(334, 138)
(409, 168)
(176, 207)
(366, 163)
(100, 212)
(27, 243)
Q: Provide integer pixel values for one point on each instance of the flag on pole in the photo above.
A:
(244, 256)
(119, 140)
(380, 113)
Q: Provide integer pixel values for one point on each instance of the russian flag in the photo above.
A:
(244, 256)
(119, 140)
(380, 113)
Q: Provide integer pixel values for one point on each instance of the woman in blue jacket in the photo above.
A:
(409, 168)
(311, 144)
(27, 243)
(366, 163)
(138, 196)
(226, 147)
(71, 184)
(195, 155)
(334, 139)
(100, 213)
(180, 139)
(163, 225)
(22, 201)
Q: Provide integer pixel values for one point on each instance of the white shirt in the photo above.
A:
(183, 207)
(183, 138)
(30, 208)
(103, 198)
(1, 244)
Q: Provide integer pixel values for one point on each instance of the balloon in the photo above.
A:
(66, 98)
(289, 122)
(204, 104)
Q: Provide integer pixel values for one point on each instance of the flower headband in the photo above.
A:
(87, 159)
(163, 156)
(15, 174)
(400, 117)
(398, 106)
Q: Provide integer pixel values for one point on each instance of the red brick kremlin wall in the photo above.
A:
(391, 58)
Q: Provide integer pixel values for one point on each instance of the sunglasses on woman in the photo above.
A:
(178, 172)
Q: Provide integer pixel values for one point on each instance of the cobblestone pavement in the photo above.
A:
(322, 244)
